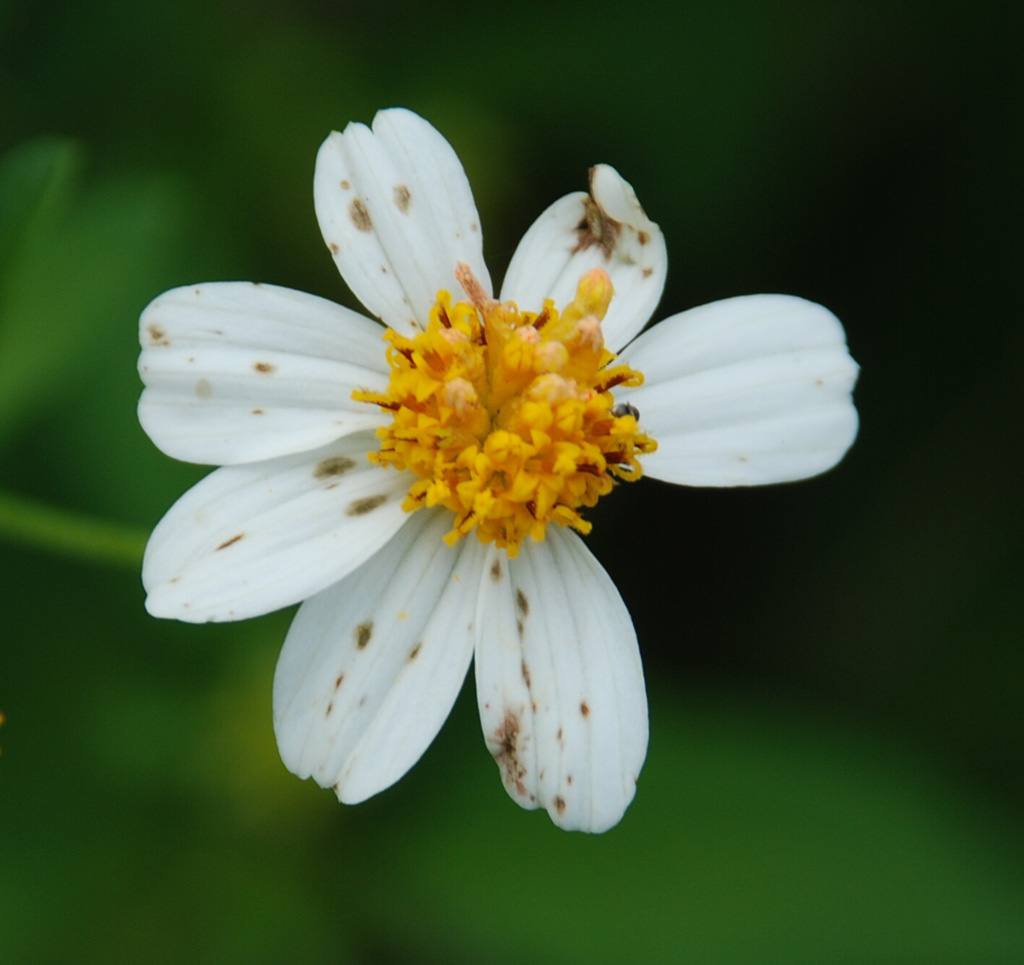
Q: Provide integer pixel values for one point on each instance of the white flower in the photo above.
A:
(488, 419)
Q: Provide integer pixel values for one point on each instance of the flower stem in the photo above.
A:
(70, 534)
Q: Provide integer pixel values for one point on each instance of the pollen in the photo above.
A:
(507, 417)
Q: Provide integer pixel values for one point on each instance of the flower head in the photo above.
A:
(422, 492)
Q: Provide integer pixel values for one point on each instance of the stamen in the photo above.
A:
(505, 417)
(476, 292)
(460, 395)
(528, 335)
(454, 337)
(612, 382)
(550, 357)
(593, 296)
(589, 331)
(551, 388)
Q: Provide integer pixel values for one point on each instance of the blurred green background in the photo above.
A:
(835, 667)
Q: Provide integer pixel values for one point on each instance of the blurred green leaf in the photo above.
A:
(37, 183)
(758, 834)
(37, 186)
(77, 272)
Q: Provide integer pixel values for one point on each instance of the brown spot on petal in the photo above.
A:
(415, 652)
(229, 542)
(334, 248)
(363, 633)
(597, 227)
(526, 674)
(496, 570)
(265, 368)
(585, 709)
(157, 334)
(203, 389)
(360, 507)
(360, 216)
(643, 237)
(505, 748)
(402, 197)
(330, 707)
(647, 272)
(257, 412)
(568, 779)
(559, 803)
(333, 466)
(345, 185)
(339, 681)
(522, 603)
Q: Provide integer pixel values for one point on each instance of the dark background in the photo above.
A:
(835, 667)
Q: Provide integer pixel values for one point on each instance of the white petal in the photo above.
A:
(372, 666)
(237, 372)
(397, 213)
(745, 391)
(560, 684)
(250, 539)
(576, 234)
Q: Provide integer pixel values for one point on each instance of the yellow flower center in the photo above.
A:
(507, 417)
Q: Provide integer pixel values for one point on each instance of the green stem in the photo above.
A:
(69, 534)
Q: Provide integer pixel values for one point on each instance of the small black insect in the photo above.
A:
(626, 408)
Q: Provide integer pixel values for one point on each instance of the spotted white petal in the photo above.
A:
(606, 229)
(250, 539)
(560, 684)
(372, 665)
(236, 372)
(396, 211)
(745, 391)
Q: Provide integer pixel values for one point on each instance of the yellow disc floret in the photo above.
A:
(507, 417)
